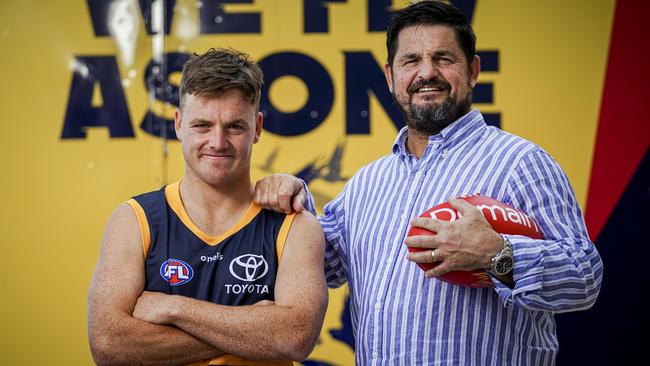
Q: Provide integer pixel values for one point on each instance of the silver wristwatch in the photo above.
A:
(503, 262)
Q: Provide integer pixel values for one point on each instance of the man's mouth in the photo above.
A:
(217, 155)
(429, 89)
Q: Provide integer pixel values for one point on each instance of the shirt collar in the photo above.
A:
(450, 135)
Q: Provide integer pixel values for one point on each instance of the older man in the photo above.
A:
(403, 316)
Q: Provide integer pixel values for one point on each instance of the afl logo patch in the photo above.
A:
(176, 272)
(249, 267)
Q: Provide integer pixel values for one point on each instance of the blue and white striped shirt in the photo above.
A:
(402, 318)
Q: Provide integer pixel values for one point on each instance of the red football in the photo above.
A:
(504, 219)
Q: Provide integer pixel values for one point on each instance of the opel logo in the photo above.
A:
(249, 267)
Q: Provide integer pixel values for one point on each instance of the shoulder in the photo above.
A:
(521, 147)
(527, 163)
(129, 222)
(305, 222)
(123, 222)
(152, 197)
(508, 148)
(306, 230)
(121, 241)
(365, 182)
(123, 214)
(385, 162)
(509, 141)
(380, 167)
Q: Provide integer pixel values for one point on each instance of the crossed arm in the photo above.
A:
(116, 336)
(128, 326)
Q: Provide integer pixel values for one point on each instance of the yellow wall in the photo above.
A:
(57, 194)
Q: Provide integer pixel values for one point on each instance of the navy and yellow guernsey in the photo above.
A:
(236, 268)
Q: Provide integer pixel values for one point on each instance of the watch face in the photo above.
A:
(503, 265)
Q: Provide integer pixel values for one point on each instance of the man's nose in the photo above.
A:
(218, 137)
(428, 69)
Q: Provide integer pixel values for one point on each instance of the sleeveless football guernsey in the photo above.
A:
(236, 268)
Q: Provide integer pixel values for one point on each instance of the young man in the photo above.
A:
(196, 271)
(402, 316)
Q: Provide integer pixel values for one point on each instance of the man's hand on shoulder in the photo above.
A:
(280, 193)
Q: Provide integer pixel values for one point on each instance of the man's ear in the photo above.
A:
(177, 123)
(475, 69)
(388, 73)
(258, 126)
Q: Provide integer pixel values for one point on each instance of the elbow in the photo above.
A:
(299, 341)
(106, 351)
(305, 345)
(591, 287)
(590, 296)
(102, 351)
(299, 347)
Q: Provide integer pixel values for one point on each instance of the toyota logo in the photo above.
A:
(249, 267)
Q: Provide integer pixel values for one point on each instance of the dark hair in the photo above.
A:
(218, 70)
(431, 13)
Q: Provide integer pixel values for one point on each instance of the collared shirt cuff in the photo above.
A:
(528, 271)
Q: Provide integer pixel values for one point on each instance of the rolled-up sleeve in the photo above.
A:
(562, 272)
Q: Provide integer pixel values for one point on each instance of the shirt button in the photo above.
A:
(389, 260)
(403, 216)
(417, 175)
(445, 153)
(377, 306)
(375, 354)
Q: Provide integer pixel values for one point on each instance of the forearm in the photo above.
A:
(554, 275)
(131, 341)
(116, 336)
(270, 333)
(562, 272)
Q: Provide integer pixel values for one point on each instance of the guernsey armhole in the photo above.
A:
(143, 224)
(283, 234)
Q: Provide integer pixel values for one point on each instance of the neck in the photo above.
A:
(202, 198)
(416, 142)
